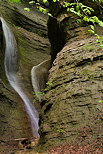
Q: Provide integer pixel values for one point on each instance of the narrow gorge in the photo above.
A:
(56, 67)
(21, 48)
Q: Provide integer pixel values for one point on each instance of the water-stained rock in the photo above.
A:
(30, 31)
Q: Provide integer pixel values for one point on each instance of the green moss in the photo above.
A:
(85, 72)
(91, 47)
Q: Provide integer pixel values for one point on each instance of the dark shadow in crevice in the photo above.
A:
(48, 108)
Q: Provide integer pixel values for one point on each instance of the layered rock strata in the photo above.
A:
(30, 31)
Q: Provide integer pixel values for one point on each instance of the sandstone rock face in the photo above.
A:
(11, 113)
(72, 110)
(30, 31)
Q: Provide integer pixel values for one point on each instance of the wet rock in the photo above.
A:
(27, 143)
(24, 144)
(30, 31)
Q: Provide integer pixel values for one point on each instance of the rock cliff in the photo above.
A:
(30, 31)
(72, 111)
(72, 108)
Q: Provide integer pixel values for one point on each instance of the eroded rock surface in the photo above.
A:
(30, 31)
(72, 110)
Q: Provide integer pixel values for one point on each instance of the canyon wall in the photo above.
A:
(30, 31)
(72, 109)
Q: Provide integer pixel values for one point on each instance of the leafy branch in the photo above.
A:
(42, 92)
(82, 11)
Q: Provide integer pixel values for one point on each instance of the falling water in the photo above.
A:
(10, 63)
(39, 75)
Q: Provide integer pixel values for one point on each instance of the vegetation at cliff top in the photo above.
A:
(16, 1)
(83, 12)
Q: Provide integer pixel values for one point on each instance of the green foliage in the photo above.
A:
(49, 84)
(79, 9)
(54, 1)
(61, 131)
(39, 7)
(31, 2)
(82, 11)
(100, 101)
(14, 1)
(45, 1)
(99, 40)
(27, 9)
(42, 92)
(97, 1)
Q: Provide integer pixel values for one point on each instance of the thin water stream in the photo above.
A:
(10, 63)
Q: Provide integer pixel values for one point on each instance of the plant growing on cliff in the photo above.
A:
(14, 1)
(42, 92)
(77, 7)
(61, 131)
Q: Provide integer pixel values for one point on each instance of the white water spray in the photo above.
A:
(39, 75)
(10, 63)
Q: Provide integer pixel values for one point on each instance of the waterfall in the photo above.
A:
(39, 75)
(10, 64)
